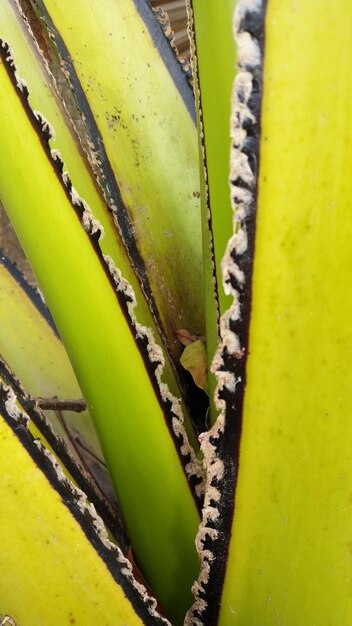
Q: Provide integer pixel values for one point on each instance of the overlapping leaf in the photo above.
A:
(91, 305)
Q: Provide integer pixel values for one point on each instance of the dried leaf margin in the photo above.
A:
(165, 23)
(220, 445)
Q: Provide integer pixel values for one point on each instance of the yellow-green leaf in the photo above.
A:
(194, 360)
(56, 563)
(284, 368)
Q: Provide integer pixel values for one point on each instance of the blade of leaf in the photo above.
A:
(289, 557)
(111, 364)
(57, 564)
(214, 70)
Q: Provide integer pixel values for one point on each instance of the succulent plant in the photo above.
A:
(175, 382)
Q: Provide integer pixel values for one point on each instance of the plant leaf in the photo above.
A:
(55, 542)
(139, 111)
(90, 303)
(279, 458)
(214, 70)
(194, 360)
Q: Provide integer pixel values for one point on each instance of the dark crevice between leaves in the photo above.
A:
(198, 403)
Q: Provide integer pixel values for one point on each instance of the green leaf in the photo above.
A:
(216, 66)
(91, 306)
(214, 69)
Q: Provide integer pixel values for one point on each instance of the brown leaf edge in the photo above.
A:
(221, 444)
